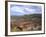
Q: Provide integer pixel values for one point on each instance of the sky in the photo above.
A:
(19, 10)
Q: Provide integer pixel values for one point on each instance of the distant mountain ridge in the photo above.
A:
(27, 16)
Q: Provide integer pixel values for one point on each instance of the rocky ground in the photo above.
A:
(23, 24)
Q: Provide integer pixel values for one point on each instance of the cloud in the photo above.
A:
(21, 10)
(17, 9)
(30, 11)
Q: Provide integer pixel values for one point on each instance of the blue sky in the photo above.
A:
(24, 9)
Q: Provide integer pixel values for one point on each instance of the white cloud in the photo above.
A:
(30, 10)
(23, 10)
(17, 9)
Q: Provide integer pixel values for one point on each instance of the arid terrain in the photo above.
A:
(31, 22)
